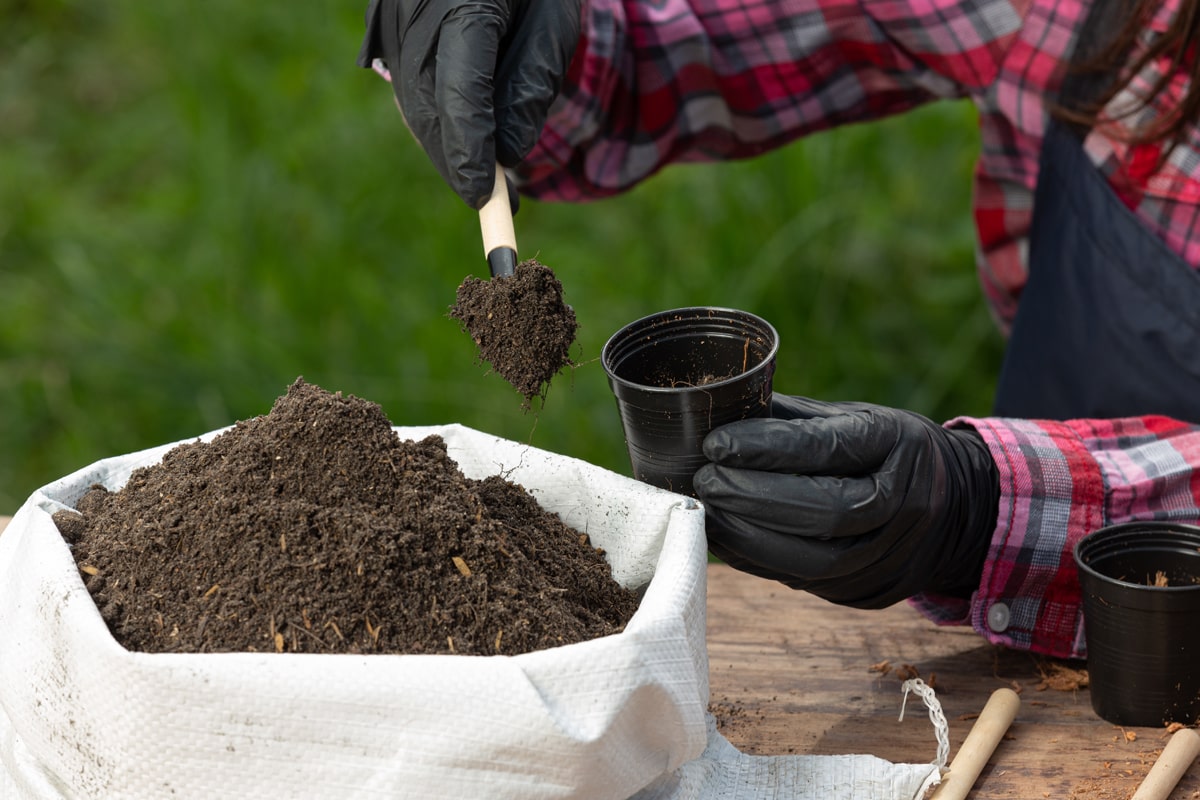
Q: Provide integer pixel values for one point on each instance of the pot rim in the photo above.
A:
(688, 313)
(1186, 533)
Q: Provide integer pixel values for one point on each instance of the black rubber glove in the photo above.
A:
(474, 78)
(860, 504)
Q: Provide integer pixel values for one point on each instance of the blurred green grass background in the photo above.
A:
(201, 202)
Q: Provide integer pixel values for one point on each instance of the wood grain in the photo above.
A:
(791, 673)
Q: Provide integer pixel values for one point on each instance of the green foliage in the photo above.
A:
(199, 203)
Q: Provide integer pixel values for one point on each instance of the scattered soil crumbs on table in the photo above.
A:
(738, 721)
(1119, 776)
(317, 529)
(1117, 779)
(520, 324)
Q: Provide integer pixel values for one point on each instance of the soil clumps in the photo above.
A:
(317, 529)
(520, 324)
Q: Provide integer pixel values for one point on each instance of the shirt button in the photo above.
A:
(998, 617)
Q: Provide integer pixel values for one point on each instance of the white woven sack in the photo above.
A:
(623, 715)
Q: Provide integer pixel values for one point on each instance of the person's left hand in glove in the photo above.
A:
(860, 504)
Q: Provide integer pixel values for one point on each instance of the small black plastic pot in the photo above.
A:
(1143, 639)
(678, 374)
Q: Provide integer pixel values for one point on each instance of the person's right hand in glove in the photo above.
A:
(860, 504)
(474, 78)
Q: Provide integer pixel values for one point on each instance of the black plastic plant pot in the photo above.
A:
(1141, 611)
(677, 375)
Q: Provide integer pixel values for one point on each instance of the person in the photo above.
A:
(1087, 210)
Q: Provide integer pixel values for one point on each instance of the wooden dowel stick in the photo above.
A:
(1169, 767)
(977, 748)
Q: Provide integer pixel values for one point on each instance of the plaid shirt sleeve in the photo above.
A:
(697, 80)
(1058, 482)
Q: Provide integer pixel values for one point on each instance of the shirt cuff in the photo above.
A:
(1051, 495)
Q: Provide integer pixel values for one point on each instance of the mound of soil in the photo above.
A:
(317, 529)
(520, 324)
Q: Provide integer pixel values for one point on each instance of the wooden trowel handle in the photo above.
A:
(496, 222)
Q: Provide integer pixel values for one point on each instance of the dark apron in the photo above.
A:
(1109, 322)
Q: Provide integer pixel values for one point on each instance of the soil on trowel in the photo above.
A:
(317, 529)
(520, 324)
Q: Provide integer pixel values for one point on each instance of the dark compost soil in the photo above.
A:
(520, 324)
(317, 529)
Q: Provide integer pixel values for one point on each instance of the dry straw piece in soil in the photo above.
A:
(520, 324)
(317, 529)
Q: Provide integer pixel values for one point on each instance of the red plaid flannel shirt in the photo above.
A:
(671, 81)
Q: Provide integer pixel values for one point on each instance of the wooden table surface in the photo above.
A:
(791, 673)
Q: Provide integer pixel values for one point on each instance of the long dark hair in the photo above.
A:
(1099, 70)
